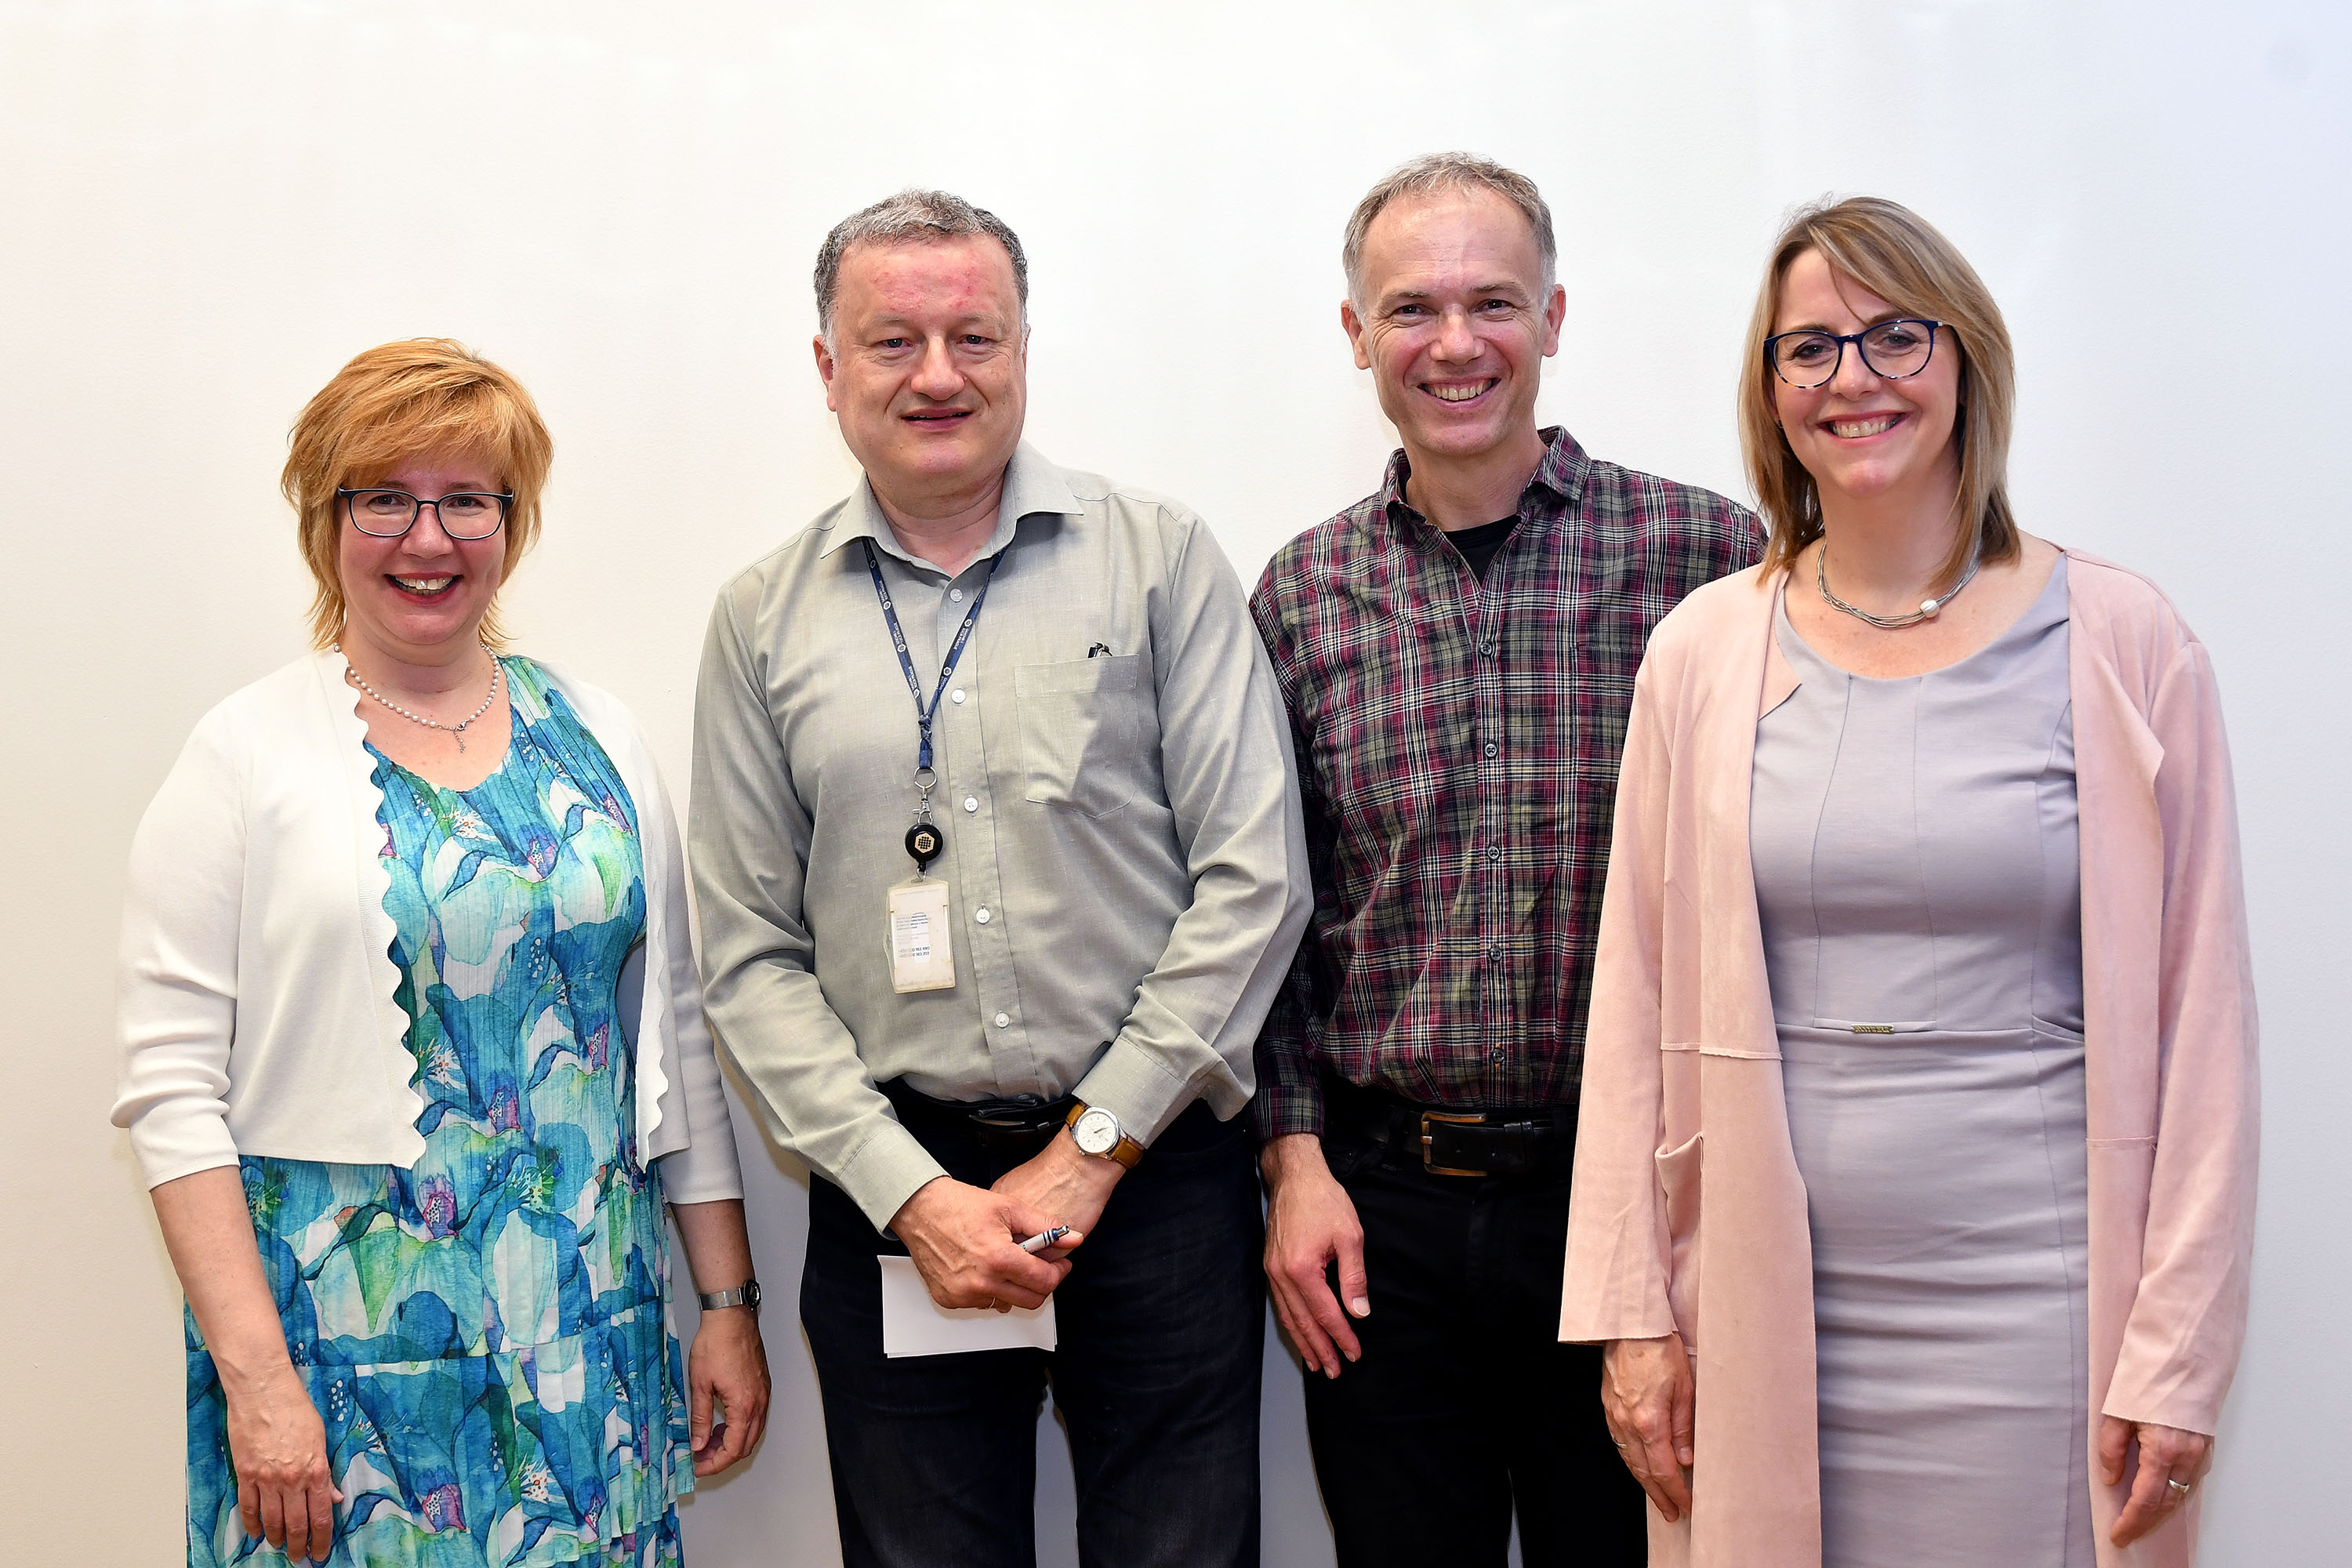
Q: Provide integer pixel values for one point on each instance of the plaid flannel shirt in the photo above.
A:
(1457, 755)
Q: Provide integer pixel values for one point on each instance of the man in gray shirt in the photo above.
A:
(999, 858)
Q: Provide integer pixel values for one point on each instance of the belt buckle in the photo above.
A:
(1451, 1119)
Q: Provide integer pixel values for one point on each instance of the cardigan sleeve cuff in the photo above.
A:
(169, 1146)
(171, 1168)
(704, 1171)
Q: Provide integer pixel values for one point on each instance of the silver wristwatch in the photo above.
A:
(747, 1294)
(1097, 1133)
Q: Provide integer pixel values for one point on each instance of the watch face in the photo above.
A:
(1097, 1133)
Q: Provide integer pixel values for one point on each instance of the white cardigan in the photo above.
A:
(256, 1009)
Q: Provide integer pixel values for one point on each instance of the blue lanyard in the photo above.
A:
(924, 715)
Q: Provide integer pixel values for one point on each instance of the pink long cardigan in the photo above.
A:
(1682, 1092)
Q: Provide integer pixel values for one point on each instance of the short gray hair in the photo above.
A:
(1450, 172)
(910, 216)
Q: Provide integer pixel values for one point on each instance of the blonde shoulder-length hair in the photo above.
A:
(418, 397)
(1898, 256)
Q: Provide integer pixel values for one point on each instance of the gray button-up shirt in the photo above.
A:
(1124, 846)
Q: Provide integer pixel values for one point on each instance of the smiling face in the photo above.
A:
(421, 597)
(928, 369)
(1860, 435)
(1455, 324)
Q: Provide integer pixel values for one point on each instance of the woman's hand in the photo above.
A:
(729, 1365)
(1647, 1393)
(2171, 1461)
(285, 1492)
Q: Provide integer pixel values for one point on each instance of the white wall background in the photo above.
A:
(206, 207)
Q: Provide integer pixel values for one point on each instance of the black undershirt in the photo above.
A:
(1479, 544)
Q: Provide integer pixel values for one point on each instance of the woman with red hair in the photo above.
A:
(413, 1054)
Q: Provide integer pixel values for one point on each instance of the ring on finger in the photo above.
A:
(2178, 1489)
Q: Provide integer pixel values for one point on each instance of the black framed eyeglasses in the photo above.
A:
(1893, 350)
(388, 513)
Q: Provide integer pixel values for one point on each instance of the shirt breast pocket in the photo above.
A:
(1082, 732)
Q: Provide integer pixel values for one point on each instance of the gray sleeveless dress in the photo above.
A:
(1918, 877)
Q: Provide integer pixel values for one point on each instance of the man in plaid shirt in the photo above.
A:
(1457, 653)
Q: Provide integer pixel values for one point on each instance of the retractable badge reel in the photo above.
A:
(925, 839)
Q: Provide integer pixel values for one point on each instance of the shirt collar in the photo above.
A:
(1560, 472)
(1033, 486)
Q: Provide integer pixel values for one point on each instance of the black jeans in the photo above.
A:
(1465, 1403)
(1160, 1327)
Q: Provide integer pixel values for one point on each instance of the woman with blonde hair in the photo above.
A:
(413, 1048)
(1916, 1165)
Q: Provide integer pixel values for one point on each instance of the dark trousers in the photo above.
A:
(1466, 1405)
(1160, 1327)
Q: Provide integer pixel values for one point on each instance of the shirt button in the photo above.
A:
(981, 914)
(955, 596)
(1494, 852)
(1487, 648)
(971, 802)
(957, 695)
(1003, 1019)
(1491, 748)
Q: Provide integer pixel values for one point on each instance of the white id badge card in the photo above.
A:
(920, 956)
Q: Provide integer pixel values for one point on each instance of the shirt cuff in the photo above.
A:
(1281, 1109)
(1128, 1081)
(886, 1171)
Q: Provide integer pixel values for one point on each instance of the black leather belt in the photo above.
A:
(1023, 1124)
(1455, 1141)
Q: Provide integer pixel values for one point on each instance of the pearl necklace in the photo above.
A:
(1925, 612)
(457, 731)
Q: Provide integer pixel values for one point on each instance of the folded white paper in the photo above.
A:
(914, 1324)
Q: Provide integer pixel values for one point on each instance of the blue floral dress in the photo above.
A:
(485, 1333)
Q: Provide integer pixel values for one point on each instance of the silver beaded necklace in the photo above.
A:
(1925, 612)
(457, 731)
